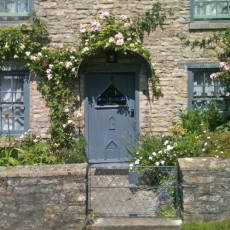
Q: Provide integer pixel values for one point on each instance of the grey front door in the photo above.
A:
(111, 116)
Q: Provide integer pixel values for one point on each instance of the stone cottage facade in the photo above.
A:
(183, 72)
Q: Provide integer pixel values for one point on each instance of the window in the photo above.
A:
(15, 10)
(202, 10)
(203, 90)
(14, 102)
(111, 96)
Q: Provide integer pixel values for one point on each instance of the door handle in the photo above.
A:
(131, 113)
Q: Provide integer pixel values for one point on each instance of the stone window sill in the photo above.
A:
(208, 25)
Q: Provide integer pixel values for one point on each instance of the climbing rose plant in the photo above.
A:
(221, 43)
(58, 67)
(223, 75)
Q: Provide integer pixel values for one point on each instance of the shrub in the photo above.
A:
(212, 117)
(215, 144)
(191, 120)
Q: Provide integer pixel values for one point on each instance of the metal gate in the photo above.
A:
(120, 191)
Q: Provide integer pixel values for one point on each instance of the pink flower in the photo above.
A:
(104, 15)
(96, 26)
(120, 42)
(224, 65)
(228, 94)
(119, 36)
(124, 17)
(214, 76)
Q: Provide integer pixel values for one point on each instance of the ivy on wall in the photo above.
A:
(58, 67)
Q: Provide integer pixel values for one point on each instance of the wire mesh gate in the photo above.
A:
(137, 192)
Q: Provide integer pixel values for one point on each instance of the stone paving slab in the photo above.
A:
(136, 224)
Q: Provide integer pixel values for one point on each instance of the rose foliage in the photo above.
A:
(57, 67)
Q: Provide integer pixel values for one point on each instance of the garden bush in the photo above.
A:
(198, 134)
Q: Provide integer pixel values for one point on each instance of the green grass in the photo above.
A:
(224, 225)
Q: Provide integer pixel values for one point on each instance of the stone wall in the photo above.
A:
(165, 45)
(43, 197)
(205, 188)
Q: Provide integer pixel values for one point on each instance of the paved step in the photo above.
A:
(135, 224)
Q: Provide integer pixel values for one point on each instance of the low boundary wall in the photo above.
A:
(54, 196)
(205, 189)
(43, 197)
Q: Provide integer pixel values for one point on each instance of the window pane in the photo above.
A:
(220, 91)
(11, 89)
(6, 89)
(198, 104)
(209, 86)
(19, 118)
(209, 91)
(23, 6)
(111, 96)
(199, 8)
(222, 8)
(2, 6)
(17, 89)
(198, 91)
(211, 8)
(199, 78)
(7, 122)
(11, 6)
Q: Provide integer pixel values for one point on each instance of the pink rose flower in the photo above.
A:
(224, 65)
(104, 15)
(124, 17)
(96, 26)
(214, 76)
(119, 36)
(120, 42)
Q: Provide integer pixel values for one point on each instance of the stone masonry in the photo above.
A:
(43, 197)
(205, 189)
(167, 52)
(165, 46)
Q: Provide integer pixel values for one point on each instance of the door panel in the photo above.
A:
(111, 116)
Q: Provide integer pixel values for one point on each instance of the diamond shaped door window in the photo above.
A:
(111, 96)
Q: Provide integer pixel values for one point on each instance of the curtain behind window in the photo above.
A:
(12, 102)
(12, 6)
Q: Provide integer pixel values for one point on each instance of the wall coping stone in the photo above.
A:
(44, 170)
(203, 164)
